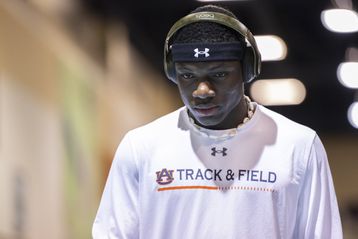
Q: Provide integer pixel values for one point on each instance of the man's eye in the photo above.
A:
(187, 76)
(220, 74)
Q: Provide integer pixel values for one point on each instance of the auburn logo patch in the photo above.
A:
(165, 176)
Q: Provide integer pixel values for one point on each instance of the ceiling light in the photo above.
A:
(340, 20)
(278, 91)
(272, 48)
(347, 74)
(353, 114)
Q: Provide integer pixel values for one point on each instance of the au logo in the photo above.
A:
(164, 176)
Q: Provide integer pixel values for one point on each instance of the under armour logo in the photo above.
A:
(205, 52)
(214, 151)
(164, 176)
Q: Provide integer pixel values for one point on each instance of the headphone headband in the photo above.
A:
(218, 18)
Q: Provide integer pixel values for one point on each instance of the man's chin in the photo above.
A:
(207, 121)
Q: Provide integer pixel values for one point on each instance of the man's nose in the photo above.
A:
(203, 90)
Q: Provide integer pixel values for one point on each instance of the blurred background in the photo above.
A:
(76, 75)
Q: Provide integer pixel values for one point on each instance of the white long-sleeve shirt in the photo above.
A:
(171, 179)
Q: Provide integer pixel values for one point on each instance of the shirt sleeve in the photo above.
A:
(117, 215)
(318, 213)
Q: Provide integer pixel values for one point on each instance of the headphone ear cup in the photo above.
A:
(248, 65)
(171, 71)
(169, 67)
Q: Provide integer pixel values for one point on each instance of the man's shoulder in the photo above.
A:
(286, 125)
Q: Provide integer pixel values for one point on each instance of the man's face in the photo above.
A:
(212, 92)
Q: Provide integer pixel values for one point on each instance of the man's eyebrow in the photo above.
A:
(215, 67)
(181, 67)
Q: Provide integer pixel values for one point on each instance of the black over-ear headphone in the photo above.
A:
(250, 71)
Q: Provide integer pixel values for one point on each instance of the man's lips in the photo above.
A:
(206, 110)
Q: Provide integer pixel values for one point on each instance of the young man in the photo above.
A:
(222, 166)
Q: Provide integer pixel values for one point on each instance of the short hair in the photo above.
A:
(208, 32)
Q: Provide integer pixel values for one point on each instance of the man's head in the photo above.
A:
(206, 54)
(199, 27)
